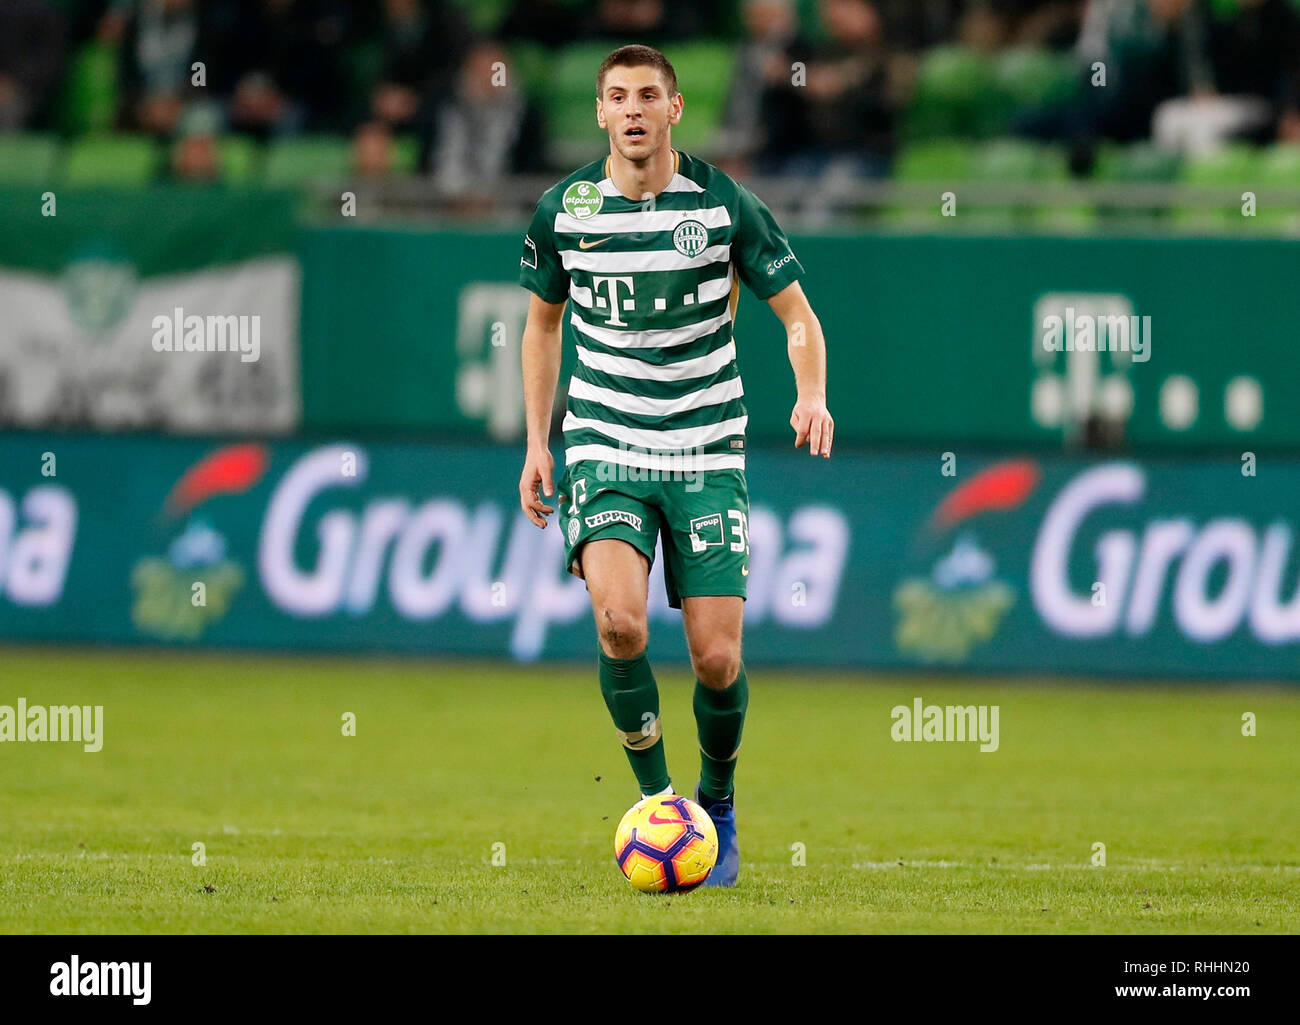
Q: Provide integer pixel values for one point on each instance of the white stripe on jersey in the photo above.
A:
(724, 391)
(684, 370)
(580, 295)
(640, 220)
(716, 288)
(678, 183)
(653, 339)
(677, 438)
(600, 262)
(685, 462)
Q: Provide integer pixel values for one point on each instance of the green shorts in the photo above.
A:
(703, 522)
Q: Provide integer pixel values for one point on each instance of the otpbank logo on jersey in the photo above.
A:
(690, 238)
(583, 200)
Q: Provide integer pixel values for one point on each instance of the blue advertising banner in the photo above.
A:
(1171, 567)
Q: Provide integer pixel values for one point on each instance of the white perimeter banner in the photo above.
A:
(82, 349)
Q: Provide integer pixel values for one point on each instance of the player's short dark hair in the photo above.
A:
(637, 56)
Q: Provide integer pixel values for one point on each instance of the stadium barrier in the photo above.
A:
(1161, 567)
(933, 341)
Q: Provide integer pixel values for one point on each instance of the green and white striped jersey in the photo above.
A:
(652, 289)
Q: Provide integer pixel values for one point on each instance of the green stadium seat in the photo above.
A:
(954, 87)
(1141, 164)
(240, 160)
(1279, 167)
(1029, 77)
(406, 156)
(704, 76)
(570, 105)
(942, 163)
(1233, 169)
(485, 15)
(90, 94)
(528, 70)
(28, 160)
(115, 160)
(1016, 161)
(296, 161)
(935, 160)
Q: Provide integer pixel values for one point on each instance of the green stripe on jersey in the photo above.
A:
(650, 288)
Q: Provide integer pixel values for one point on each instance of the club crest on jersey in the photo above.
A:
(583, 200)
(690, 238)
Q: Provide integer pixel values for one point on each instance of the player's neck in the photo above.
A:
(639, 179)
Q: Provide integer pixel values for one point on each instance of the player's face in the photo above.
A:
(637, 111)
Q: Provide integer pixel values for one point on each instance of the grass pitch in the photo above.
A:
(393, 830)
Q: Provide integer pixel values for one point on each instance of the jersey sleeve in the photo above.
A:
(540, 269)
(762, 252)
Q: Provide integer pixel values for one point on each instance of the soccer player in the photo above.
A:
(647, 247)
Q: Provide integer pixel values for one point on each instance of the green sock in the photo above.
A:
(632, 697)
(720, 719)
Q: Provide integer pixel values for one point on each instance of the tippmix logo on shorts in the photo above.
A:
(600, 519)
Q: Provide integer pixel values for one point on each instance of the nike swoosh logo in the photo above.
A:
(584, 244)
(744, 571)
(655, 820)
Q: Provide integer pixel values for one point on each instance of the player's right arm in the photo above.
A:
(541, 358)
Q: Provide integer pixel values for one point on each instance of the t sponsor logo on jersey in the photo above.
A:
(529, 259)
(583, 200)
(776, 265)
(690, 238)
(613, 516)
(706, 532)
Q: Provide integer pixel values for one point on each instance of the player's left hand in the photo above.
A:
(813, 424)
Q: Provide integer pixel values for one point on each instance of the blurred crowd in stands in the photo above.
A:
(807, 85)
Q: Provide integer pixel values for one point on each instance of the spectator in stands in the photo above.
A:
(485, 130)
(652, 21)
(194, 156)
(1247, 85)
(372, 151)
(1148, 51)
(1256, 53)
(31, 60)
(287, 58)
(847, 104)
(424, 42)
(915, 25)
(761, 120)
(160, 42)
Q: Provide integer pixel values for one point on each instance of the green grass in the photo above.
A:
(392, 830)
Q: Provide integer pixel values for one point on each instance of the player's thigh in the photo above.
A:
(617, 577)
(714, 624)
(706, 537)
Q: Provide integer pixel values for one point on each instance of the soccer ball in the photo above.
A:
(666, 844)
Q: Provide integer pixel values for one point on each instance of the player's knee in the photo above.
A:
(623, 632)
(716, 666)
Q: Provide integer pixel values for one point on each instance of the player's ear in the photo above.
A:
(600, 113)
(675, 109)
